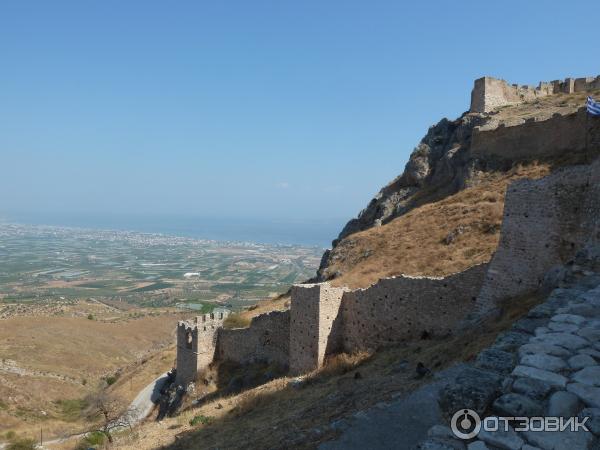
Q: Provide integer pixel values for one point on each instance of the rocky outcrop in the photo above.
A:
(453, 155)
(440, 159)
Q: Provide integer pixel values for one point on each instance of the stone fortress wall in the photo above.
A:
(490, 93)
(532, 138)
(545, 223)
(196, 344)
(267, 338)
(325, 320)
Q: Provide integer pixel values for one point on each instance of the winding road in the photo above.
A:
(140, 408)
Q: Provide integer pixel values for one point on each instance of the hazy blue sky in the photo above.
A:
(283, 109)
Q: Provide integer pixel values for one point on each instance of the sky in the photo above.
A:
(284, 110)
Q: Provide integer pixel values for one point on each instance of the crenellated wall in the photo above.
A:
(490, 93)
(196, 343)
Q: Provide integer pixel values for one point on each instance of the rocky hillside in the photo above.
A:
(442, 214)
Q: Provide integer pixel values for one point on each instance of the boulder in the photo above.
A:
(496, 360)
(539, 347)
(569, 318)
(566, 340)
(563, 404)
(588, 375)
(549, 377)
(517, 405)
(593, 422)
(544, 362)
(473, 388)
(564, 440)
(510, 340)
(581, 361)
(532, 388)
(507, 440)
(588, 394)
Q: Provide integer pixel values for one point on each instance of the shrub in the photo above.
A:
(90, 317)
(22, 444)
(10, 435)
(71, 409)
(204, 420)
(112, 379)
(236, 321)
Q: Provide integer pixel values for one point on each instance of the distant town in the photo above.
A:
(47, 263)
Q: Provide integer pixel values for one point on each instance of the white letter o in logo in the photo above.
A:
(464, 420)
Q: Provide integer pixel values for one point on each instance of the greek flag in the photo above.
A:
(593, 107)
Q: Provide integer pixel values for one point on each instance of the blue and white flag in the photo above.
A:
(593, 107)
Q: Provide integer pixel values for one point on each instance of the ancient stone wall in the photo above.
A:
(554, 137)
(267, 338)
(314, 327)
(545, 222)
(490, 93)
(397, 309)
(196, 343)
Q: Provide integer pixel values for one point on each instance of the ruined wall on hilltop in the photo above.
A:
(196, 343)
(558, 136)
(491, 93)
(266, 339)
(315, 325)
(545, 223)
(397, 309)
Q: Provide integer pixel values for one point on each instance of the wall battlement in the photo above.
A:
(196, 343)
(490, 93)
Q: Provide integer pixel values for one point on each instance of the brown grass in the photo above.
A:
(419, 242)
(64, 358)
(236, 320)
(279, 415)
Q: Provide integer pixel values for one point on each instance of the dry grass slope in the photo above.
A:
(435, 239)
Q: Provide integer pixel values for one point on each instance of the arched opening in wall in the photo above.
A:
(188, 339)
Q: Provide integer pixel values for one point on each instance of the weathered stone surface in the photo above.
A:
(589, 375)
(591, 352)
(569, 318)
(477, 445)
(593, 422)
(473, 388)
(510, 340)
(496, 360)
(568, 341)
(544, 362)
(507, 440)
(541, 331)
(517, 405)
(435, 444)
(540, 347)
(584, 310)
(549, 377)
(440, 432)
(591, 334)
(530, 447)
(563, 327)
(564, 440)
(580, 361)
(540, 312)
(528, 325)
(588, 394)
(532, 388)
(563, 404)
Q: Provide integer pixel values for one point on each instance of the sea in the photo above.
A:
(315, 233)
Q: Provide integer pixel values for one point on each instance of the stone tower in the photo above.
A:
(196, 343)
